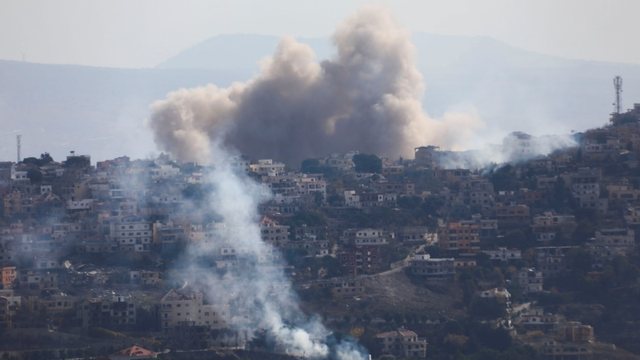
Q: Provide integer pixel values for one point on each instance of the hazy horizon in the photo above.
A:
(109, 33)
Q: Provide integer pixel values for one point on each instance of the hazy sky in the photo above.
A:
(143, 33)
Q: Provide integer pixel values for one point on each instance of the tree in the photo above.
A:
(310, 166)
(367, 163)
(34, 175)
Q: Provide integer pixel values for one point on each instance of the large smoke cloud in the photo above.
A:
(366, 98)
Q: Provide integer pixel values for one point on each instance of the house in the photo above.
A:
(500, 294)
(347, 287)
(5, 314)
(145, 277)
(585, 188)
(132, 234)
(361, 259)
(551, 259)
(371, 237)
(9, 275)
(352, 199)
(535, 318)
(549, 221)
(511, 215)
(274, 233)
(186, 307)
(413, 234)
(503, 254)
(459, 236)
(403, 343)
(530, 280)
(267, 167)
(432, 268)
(613, 242)
(108, 310)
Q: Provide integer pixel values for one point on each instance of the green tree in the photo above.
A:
(367, 163)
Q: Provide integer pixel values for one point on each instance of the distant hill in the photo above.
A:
(97, 111)
(101, 111)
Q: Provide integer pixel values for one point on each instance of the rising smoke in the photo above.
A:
(366, 98)
(256, 287)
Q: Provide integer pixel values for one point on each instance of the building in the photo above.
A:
(371, 237)
(432, 268)
(132, 234)
(503, 254)
(267, 167)
(347, 287)
(613, 242)
(512, 215)
(551, 259)
(403, 343)
(109, 311)
(352, 199)
(186, 307)
(459, 236)
(9, 276)
(363, 259)
(530, 281)
(274, 233)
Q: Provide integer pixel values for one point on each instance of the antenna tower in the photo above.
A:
(18, 145)
(617, 84)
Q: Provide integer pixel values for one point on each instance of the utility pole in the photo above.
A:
(18, 146)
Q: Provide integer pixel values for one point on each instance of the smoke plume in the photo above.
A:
(254, 286)
(366, 98)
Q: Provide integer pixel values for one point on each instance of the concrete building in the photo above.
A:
(187, 307)
(132, 234)
(459, 236)
(403, 343)
(432, 268)
(530, 281)
(110, 311)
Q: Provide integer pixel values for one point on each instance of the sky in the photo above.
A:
(143, 33)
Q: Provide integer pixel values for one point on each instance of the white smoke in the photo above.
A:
(516, 147)
(256, 288)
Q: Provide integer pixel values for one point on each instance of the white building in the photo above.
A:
(187, 307)
(132, 234)
(503, 254)
(267, 167)
(370, 237)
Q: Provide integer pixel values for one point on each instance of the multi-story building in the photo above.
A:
(267, 167)
(9, 276)
(110, 311)
(613, 242)
(132, 234)
(512, 215)
(530, 281)
(186, 307)
(403, 343)
(274, 233)
(459, 236)
(551, 259)
(432, 268)
(503, 254)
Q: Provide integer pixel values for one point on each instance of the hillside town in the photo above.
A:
(532, 259)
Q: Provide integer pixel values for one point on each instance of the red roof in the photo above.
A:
(136, 351)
